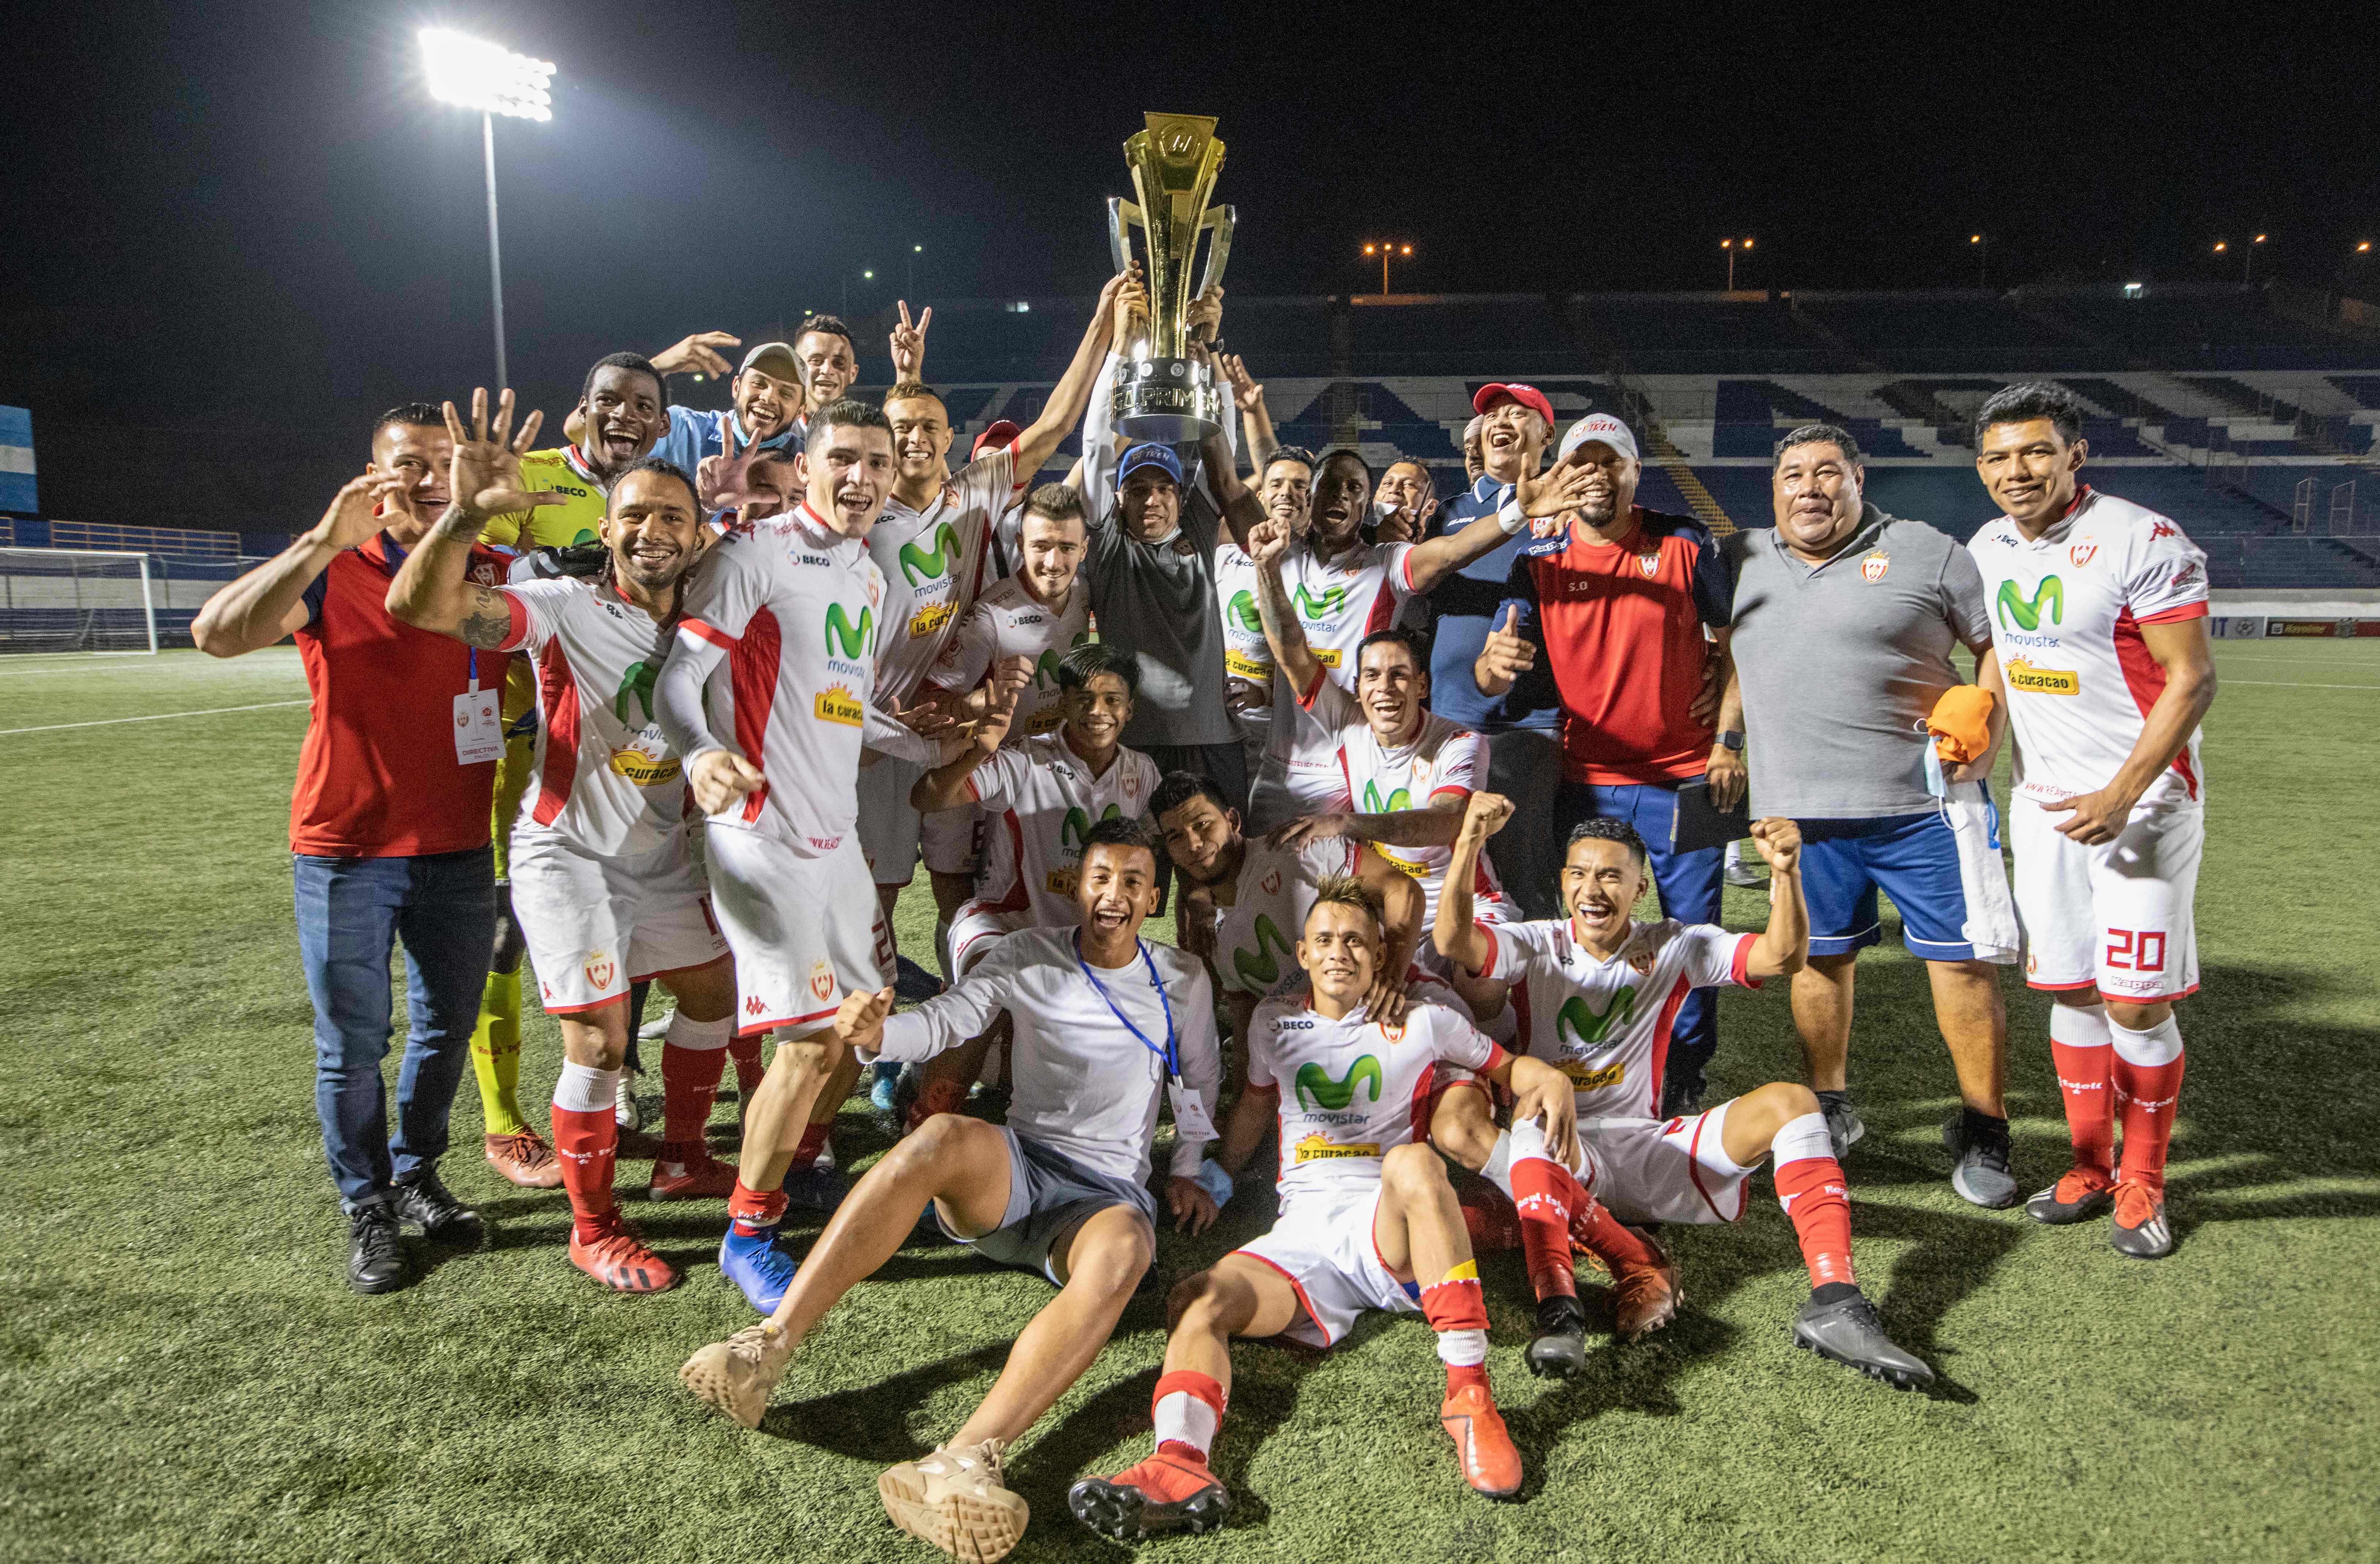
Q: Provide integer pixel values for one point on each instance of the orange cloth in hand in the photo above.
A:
(1961, 723)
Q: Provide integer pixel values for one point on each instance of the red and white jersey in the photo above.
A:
(1007, 621)
(1445, 760)
(799, 610)
(605, 780)
(1247, 654)
(1352, 1089)
(933, 565)
(1042, 800)
(1337, 605)
(1255, 937)
(2067, 609)
(1606, 1023)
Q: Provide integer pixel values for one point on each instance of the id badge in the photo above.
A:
(1190, 1120)
(479, 730)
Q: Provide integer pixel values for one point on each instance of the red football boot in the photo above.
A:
(704, 1178)
(1165, 1492)
(1490, 1462)
(618, 1258)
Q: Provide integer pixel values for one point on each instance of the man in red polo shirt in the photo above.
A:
(1608, 606)
(388, 828)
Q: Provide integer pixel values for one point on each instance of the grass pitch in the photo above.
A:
(184, 1374)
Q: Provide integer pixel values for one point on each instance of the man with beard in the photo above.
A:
(605, 879)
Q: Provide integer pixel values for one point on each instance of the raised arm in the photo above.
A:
(1548, 493)
(1256, 419)
(1268, 543)
(269, 602)
(1783, 947)
(1072, 395)
(431, 591)
(1457, 937)
(1243, 509)
(1402, 903)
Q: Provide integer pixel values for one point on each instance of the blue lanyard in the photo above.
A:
(1168, 1053)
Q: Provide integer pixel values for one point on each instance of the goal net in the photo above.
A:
(77, 599)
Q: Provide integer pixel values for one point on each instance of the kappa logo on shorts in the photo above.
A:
(822, 980)
(1873, 568)
(601, 969)
(752, 1005)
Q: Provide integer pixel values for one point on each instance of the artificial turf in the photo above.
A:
(184, 1374)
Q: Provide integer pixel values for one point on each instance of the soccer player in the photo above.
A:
(1286, 485)
(1598, 995)
(1844, 620)
(1367, 1220)
(776, 649)
(1107, 1025)
(605, 879)
(931, 544)
(1342, 589)
(2099, 617)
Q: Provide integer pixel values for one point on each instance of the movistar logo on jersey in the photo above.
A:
(1078, 826)
(840, 631)
(1332, 601)
(1376, 804)
(1244, 611)
(917, 564)
(2048, 603)
(1320, 1093)
(636, 685)
(1583, 1028)
(1261, 967)
(1045, 673)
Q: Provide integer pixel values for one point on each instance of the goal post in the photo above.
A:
(78, 600)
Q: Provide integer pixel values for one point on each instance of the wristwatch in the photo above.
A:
(1732, 741)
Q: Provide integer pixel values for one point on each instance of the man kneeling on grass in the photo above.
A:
(1368, 1220)
(1105, 1024)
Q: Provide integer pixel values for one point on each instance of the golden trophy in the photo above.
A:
(1162, 395)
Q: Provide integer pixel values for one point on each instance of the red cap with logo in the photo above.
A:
(1528, 396)
(1003, 433)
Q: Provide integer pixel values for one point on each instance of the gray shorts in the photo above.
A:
(1049, 1193)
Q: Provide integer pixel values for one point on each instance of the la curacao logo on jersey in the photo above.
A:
(2024, 677)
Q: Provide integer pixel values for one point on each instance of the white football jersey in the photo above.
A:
(2067, 609)
(1007, 621)
(933, 565)
(1255, 937)
(605, 780)
(1352, 1089)
(1337, 605)
(1444, 760)
(799, 610)
(1041, 801)
(1606, 1023)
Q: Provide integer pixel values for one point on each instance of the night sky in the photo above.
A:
(248, 222)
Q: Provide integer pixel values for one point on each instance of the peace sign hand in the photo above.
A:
(724, 482)
(909, 344)
(484, 477)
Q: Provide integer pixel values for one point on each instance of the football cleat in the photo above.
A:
(757, 1266)
(376, 1249)
(523, 1157)
(816, 1188)
(738, 1375)
(1646, 1297)
(1559, 1348)
(1980, 1163)
(2078, 1194)
(885, 1087)
(626, 1110)
(1847, 1331)
(618, 1258)
(1843, 1126)
(707, 1179)
(431, 1206)
(2140, 1229)
(1165, 1492)
(956, 1500)
(1482, 1444)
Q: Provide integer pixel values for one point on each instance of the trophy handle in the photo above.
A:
(1222, 219)
(1121, 214)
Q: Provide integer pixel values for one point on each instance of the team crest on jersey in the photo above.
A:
(600, 969)
(1640, 962)
(1395, 1033)
(2081, 553)
(1649, 564)
(2032, 963)
(822, 980)
(1271, 883)
(1873, 567)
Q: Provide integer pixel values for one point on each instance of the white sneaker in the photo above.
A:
(630, 1117)
(736, 1375)
(656, 1028)
(955, 1500)
(1738, 872)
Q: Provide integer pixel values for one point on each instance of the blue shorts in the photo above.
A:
(1912, 858)
(1049, 1194)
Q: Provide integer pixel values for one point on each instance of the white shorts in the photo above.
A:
(1326, 1251)
(976, 926)
(952, 838)
(2116, 917)
(889, 828)
(806, 932)
(594, 925)
(1663, 1170)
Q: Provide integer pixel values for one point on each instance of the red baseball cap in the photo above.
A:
(1528, 396)
(1003, 433)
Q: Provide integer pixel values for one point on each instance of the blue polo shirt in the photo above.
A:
(695, 432)
(1465, 604)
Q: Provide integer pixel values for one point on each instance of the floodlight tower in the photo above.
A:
(476, 74)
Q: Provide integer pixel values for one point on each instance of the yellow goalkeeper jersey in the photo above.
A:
(575, 519)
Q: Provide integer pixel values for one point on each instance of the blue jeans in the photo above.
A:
(1689, 884)
(350, 914)
(1524, 765)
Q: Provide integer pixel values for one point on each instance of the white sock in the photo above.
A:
(582, 1088)
(2160, 1044)
(1499, 1170)
(1186, 1419)
(2079, 1026)
(703, 1037)
(1462, 1349)
(943, 950)
(1806, 1136)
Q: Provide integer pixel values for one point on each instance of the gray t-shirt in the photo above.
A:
(1157, 602)
(1841, 664)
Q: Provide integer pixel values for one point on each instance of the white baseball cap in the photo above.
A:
(1603, 426)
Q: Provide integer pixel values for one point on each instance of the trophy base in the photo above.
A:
(1168, 402)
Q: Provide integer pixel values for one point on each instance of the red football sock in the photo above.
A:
(2078, 1051)
(1489, 1218)
(2146, 1095)
(1607, 1238)
(586, 1141)
(1188, 1409)
(1458, 1311)
(1810, 1190)
(1545, 1194)
(689, 1083)
(752, 1214)
(934, 1096)
(1460, 1375)
(805, 1154)
(745, 1053)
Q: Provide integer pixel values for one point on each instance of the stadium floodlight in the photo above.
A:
(2134, 290)
(1384, 249)
(472, 74)
(1730, 245)
(1983, 245)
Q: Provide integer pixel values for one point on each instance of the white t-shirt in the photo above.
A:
(1083, 1082)
(1352, 1089)
(1007, 621)
(933, 565)
(606, 781)
(1444, 760)
(1336, 604)
(2067, 609)
(1042, 801)
(1255, 937)
(1606, 1023)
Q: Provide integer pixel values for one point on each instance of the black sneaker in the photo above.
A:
(427, 1204)
(376, 1252)
(1559, 1348)
(1843, 1126)
(1847, 1331)
(1978, 1145)
(1681, 1098)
